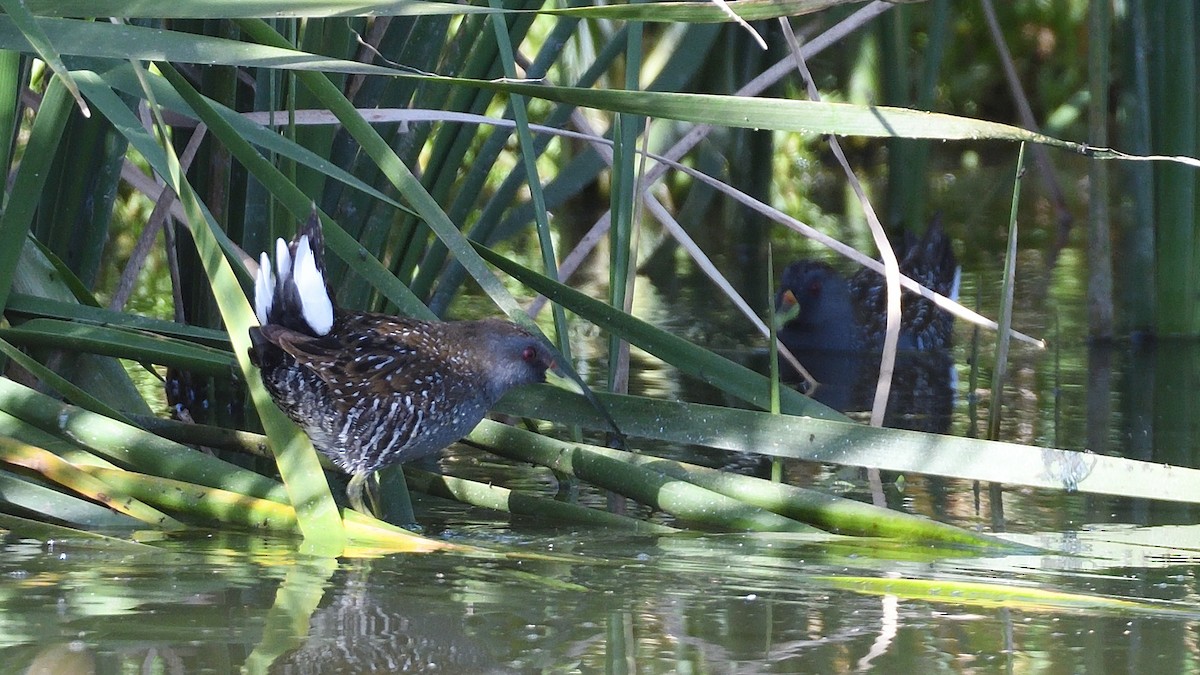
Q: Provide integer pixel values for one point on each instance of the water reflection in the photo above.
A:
(744, 603)
(361, 627)
(923, 385)
(1160, 406)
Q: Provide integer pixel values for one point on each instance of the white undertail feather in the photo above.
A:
(315, 305)
(954, 286)
(283, 261)
(264, 289)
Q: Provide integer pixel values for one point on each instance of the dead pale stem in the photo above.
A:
(891, 266)
(146, 185)
(891, 269)
(165, 202)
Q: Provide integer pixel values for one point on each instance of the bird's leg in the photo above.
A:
(371, 486)
(354, 492)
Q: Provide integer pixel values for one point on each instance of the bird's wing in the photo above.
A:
(353, 361)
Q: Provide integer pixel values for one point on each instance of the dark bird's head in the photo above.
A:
(808, 291)
(813, 309)
(505, 354)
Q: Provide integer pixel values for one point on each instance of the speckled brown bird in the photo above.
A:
(369, 389)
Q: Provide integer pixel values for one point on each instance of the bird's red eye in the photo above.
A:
(814, 287)
(529, 354)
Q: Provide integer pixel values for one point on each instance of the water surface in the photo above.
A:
(709, 603)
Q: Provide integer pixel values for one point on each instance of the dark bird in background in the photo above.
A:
(820, 309)
(835, 327)
(370, 389)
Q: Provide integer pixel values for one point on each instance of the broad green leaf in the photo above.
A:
(126, 445)
(11, 85)
(844, 442)
(246, 9)
(812, 117)
(59, 383)
(984, 594)
(122, 343)
(30, 180)
(32, 498)
(19, 14)
(30, 306)
(40, 275)
(123, 42)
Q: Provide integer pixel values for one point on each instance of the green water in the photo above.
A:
(711, 603)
